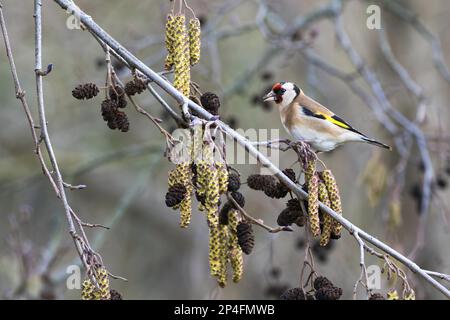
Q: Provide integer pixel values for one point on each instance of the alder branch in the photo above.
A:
(90, 24)
(84, 250)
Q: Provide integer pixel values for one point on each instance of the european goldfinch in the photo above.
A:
(307, 120)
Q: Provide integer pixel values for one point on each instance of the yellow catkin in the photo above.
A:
(172, 178)
(184, 175)
(223, 177)
(223, 252)
(103, 283)
(87, 291)
(313, 205)
(170, 40)
(214, 251)
(235, 252)
(233, 220)
(201, 181)
(212, 195)
(208, 180)
(310, 170)
(335, 199)
(237, 263)
(182, 76)
(327, 219)
(194, 40)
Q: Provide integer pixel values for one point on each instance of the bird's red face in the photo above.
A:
(276, 94)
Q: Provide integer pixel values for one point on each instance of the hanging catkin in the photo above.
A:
(223, 176)
(194, 40)
(327, 219)
(310, 170)
(184, 174)
(313, 205)
(181, 56)
(335, 199)
(170, 40)
(235, 251)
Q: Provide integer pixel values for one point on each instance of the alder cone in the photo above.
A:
(85, 91)
(246, 237)
(210, 102)
(234, 182)
(135, 86)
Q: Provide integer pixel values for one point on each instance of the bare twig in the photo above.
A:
(258, 222)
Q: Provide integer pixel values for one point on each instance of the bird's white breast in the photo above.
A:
(319, 141)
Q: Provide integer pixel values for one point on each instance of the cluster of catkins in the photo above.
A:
(323, 289)
(321, 186)
(208, 179)
(229, 235)
(103, 292)
(115, 100)
(183, 49)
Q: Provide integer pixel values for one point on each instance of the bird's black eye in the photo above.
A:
(279, 91)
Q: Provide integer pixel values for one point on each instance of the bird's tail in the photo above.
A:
(376, 143)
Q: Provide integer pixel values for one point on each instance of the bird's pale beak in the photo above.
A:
(271, 96)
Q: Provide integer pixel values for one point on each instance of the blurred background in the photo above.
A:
(247, 46)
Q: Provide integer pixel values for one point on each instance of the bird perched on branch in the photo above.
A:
(307, 120)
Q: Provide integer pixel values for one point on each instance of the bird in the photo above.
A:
(309, 121)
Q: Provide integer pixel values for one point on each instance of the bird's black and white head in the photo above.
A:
(283, 93)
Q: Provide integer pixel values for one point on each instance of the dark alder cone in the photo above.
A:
(115, 119)
(325, 290)
(255, 181)
(275, 190)
(210, 101)
(135, 86)
(223, 213)
(295, 294)
(246, 238)
(108, 110)
(239, 198)
(175, 195)
(328, 293)
(294, 204)
(234, 182)
(377, 296)
(287, 217)
(117, 94)
(301, 220)
(85, 91)
(115, 295)
(122, 121)
(320, 282)
(281, 189)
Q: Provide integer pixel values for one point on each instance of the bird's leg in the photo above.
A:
(270, 143)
